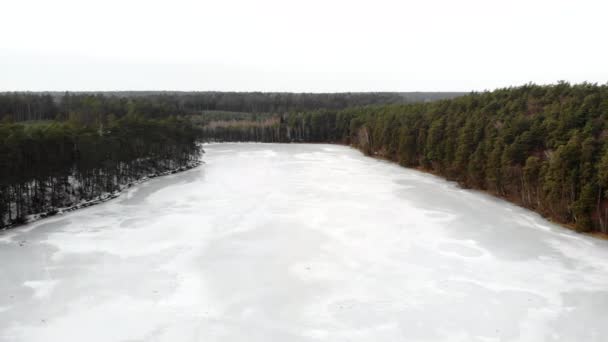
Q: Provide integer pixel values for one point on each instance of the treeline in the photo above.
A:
(52, 165)
(271, 130)
(90, 107)
(27, 106)
(209, 116)
(543, 147)
(258, 102)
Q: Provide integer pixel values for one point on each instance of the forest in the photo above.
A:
(63, 106)
(542, 147)
(49, 165)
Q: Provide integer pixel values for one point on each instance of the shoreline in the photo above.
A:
(31, 218)
(567, 226)
(378, 156)
(109, 196)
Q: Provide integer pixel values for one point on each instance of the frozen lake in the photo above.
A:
(301, 243)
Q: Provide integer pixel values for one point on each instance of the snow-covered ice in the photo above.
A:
(301, 242)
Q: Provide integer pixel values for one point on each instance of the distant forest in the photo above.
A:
(89, 107)
(543, 147)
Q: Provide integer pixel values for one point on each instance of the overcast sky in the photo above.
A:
(312, 45)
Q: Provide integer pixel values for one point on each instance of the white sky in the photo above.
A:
(312, 45)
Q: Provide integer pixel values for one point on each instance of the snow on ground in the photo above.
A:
(301, 243)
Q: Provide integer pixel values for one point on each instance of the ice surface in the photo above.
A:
(301, 243)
